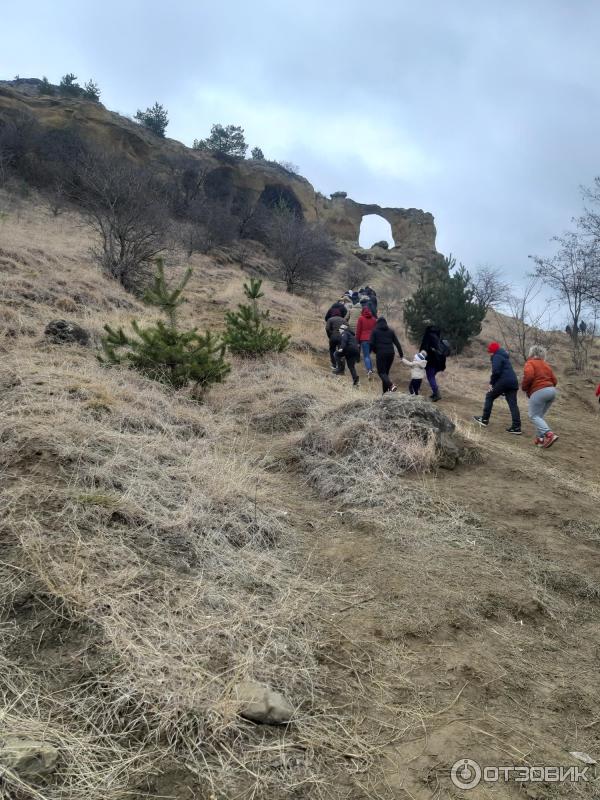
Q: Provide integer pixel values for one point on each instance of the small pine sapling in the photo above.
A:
(247, 332)
(162, 351)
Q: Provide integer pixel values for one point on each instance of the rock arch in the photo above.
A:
(375, 228)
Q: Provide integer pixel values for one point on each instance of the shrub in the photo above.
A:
(68, 85)
(125, 205)
(162, 351)
(247, 332)
(450, 301)
(305, 251)
(154, 118)
(91, 91)
(228, 139)
(46, 87)
(289, 166)
(257, 154)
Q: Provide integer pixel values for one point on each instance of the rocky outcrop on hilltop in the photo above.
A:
(238, 182)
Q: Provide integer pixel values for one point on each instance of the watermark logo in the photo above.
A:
(467, 774)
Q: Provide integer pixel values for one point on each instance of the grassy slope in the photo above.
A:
(154, 551)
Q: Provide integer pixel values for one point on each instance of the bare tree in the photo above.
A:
(525, 323)
(305, 251)
(126, 207)
(573, 273)
(355, 272)
(589, 227)
(491, 290)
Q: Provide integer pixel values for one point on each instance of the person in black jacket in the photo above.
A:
(332, 329)
(436, 358)
(382, 343)
(503, 381)
(348, 349)
(340, 306)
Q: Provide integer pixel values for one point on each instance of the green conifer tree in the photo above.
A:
(247, 332)
(162, 351)
(446, 298)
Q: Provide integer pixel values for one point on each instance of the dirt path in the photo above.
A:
(509, 673)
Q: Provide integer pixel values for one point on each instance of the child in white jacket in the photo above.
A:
(417, 371)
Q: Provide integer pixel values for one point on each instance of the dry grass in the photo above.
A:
(133, 519)
(155, 551)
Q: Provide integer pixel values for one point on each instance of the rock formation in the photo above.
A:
(241, 183)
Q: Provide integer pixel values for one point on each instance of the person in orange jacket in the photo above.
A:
(539, 382)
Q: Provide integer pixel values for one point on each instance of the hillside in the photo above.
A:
(157, 551)
(238, 183)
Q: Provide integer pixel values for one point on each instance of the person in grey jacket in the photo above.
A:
(353, 315)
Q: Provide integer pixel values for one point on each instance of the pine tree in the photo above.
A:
(162, 351)
(247, 332)
(448, 301)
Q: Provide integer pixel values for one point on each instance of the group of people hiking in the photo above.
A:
(354, 329)
(539, 383)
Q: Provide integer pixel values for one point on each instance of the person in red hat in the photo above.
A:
(503, 381)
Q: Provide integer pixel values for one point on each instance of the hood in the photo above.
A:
(335, 312)
(381, 324)
(366, 312)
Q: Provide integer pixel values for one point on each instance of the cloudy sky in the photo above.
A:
(486, 113)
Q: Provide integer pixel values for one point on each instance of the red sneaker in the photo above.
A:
(549, 439)
(538, 441)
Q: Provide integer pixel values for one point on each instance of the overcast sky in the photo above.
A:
(484, 112)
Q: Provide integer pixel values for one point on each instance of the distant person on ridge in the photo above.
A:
(436, 350)
(503, 381)
(364, 329)
(348, 350)
(382, 343)
(332, 329)
(539, 382)
(417, 372)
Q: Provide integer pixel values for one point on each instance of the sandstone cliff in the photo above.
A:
(240, 181)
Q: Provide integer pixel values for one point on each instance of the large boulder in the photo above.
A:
(261, 704)
(28, 758)
(60, 331)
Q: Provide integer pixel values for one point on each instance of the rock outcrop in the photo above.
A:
(242, 184)
(61, 331)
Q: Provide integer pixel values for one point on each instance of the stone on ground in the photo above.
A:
(28, 758)
(259, 703)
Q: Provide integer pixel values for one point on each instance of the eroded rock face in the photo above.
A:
(239, 183)
(413, 230)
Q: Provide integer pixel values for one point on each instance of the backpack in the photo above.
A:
(444, 348)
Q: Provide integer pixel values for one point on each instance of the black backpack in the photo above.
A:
(444, 348)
